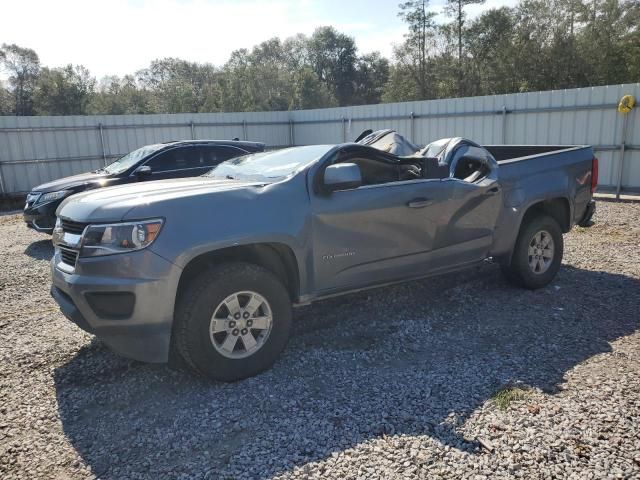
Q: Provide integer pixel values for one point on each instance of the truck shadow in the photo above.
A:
(414, 359)
(40, 250)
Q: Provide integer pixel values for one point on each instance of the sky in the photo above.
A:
(123, 36)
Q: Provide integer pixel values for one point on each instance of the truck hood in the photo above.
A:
(113, 203)
(72, 182)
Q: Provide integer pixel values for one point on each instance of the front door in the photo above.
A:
(377, 233)
(177, 162)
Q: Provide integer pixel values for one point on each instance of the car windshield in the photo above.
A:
(269, 166)
(131, 158)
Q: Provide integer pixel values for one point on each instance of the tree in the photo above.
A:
(6, 102)
(179, 86)
(455, 9)
(271, 79)
(490, 42)
(236, 91)
(630, 42)
(119, 96)
(64, 91)
(309, 91)
(413, 55)
(371, 76)
(274, 75)
(535, 45)
(333, 56)
(610, 27)
(23, 68)
(296, 51)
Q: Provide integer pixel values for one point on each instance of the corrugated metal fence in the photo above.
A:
(34, 150)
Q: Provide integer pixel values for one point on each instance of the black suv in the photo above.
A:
(152, 162)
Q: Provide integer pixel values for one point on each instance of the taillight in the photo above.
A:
(594, 174)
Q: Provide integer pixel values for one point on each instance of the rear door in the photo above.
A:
(212, 155)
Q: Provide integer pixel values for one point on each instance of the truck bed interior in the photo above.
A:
(503, 153)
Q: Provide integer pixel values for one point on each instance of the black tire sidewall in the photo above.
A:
(520, 268)
(219, 283)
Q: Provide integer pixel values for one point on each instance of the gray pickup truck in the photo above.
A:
(206, 270)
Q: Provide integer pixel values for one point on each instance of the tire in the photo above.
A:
(536, 271)
(216, 348)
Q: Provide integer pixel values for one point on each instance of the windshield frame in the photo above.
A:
(315, 157)
(152, 149)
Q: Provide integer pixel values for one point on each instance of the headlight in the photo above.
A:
(51, 196)
(115, 238)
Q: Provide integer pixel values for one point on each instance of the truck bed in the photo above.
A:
(505, 153)
(534, 172)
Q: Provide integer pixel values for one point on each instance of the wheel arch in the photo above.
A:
(557, 208)
(276, 257)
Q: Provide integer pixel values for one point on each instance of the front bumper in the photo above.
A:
(41, 218)
(145, 333)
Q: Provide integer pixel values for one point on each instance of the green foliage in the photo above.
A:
(310, 92)
(536, 45)
(415, 56)
(332, 55)
(6, 103)
(23, 66)
(455, 9)
(508, 394)
(63, 91)
(371, 75)
(179, 86)
(120, 96)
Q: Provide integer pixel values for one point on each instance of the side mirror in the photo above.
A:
(142, 172)
(342, 176)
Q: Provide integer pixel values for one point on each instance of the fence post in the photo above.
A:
(412, 129)
(2, 192)
(244, 129)
(104, 153)
(344, 132)
(622, 148)
(292, 139)
(504, 124)
(193, 134)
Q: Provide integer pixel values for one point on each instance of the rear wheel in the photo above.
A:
(233, 321)
(537, 254)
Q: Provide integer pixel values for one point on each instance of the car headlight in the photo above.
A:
(51, 196)
(109, 239)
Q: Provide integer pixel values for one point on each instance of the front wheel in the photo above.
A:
(232, 321)
(537, 254)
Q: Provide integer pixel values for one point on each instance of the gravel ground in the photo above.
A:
(462, 376)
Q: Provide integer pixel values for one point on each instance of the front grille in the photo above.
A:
(68, 256)
(73, 227)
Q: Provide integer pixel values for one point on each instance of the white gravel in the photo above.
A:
(393, 383)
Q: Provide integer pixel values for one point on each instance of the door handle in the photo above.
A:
(493, 190)
(419, 203)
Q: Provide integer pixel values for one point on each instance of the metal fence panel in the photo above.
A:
(34, 150)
